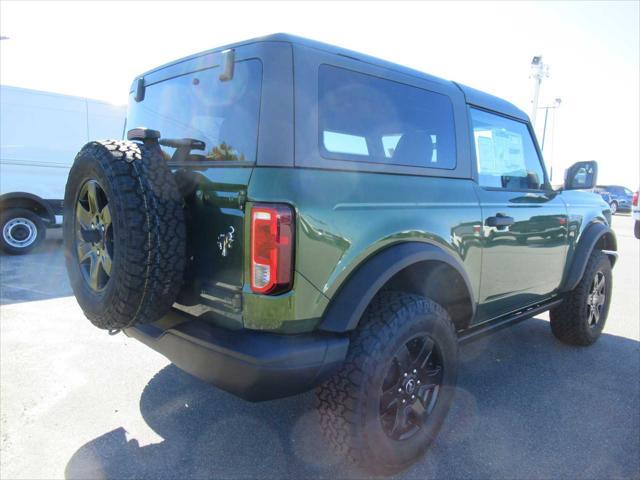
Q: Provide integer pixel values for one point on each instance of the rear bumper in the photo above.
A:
(253, 365)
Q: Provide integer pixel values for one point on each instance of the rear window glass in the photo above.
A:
(363, 118)
(224, 115)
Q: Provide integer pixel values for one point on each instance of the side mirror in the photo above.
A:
(581, 176)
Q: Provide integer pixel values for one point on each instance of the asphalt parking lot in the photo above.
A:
(78, 403)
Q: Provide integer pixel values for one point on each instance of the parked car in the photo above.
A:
(40, 133)
(635, 211)
(288, 215)
(617, 196)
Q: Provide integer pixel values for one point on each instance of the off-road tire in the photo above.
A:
(34, 222)
(348, 402)
(148, 233)
(569, 320)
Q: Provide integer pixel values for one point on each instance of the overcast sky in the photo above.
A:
(95, 49)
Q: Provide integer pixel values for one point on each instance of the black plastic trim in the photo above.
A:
(253, 365)
(347, 308)
(492, 326)
(586, 244)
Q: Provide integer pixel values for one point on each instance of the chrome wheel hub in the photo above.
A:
(19, 232)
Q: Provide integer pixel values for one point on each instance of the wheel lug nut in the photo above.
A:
(418, 382)
(404, 401)
(399, 390)
(414, 370)
(412, 397)
(406, 374)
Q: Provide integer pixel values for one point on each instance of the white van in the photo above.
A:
(40, 133)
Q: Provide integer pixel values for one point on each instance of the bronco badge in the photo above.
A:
(225, 241)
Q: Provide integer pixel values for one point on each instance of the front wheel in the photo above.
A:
(614, 207)
(580, 318)
(385, 405)
(22, 230)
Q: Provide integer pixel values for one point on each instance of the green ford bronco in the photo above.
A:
(286, 215)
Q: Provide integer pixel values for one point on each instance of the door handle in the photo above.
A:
(500, 220)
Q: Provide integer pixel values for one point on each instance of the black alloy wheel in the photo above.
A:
(411, 387)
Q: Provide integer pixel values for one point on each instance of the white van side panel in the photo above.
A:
(41, 133)
(105, 120)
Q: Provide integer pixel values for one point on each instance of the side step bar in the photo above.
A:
(499, 323)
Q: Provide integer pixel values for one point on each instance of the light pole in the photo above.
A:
(538, 71)
(556, 104)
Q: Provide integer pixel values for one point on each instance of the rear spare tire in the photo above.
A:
(124, 234)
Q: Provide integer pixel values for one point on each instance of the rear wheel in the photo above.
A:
(614, 207)
(124, 234)
(22, 230)
(389, 399)
(636, 229)
(580, 318)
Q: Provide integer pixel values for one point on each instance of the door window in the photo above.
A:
(505, 152)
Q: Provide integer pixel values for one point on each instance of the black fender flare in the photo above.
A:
(586, 244)
(12, 196)
(346, 309)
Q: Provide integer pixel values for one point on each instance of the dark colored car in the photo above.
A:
(617, 196)
(288, 215)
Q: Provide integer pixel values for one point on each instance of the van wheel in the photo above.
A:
(22, 230)
(580, 318)
(124, 234)
(385, 405)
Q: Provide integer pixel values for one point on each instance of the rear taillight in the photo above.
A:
(271, 248)
(635, 199)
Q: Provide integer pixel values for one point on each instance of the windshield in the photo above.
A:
(222, 114)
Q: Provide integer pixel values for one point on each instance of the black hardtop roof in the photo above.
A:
(473, 96)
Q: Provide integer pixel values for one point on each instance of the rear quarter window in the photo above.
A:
(363, 118)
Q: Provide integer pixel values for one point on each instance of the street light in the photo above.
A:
(539, 70)
(556, 104)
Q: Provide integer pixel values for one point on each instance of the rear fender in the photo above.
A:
(346, 309)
